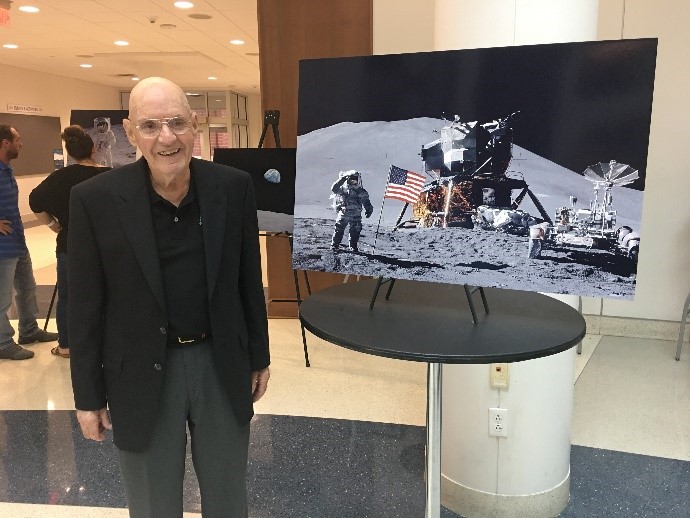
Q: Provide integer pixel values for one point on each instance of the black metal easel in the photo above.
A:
(272, 118)
(469, 291)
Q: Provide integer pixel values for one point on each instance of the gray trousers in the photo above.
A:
(192, 396)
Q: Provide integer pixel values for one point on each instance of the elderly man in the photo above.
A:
(167, 320)
(15, 262)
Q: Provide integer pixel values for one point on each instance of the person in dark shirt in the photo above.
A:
(50, 202)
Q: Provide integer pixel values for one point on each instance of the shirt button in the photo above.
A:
(176, 219)
(163, 331)
(158, 366)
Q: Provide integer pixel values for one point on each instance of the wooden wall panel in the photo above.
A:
(290, 30)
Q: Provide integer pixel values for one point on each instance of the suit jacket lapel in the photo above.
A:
(213, 206)
(135, 215)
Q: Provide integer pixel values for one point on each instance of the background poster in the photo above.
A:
(573, 105)
(273, 174)
(105, 127)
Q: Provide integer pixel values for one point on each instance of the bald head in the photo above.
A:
(152, 89)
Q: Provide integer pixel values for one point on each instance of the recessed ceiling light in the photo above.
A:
(28, 9)
(10, 46)
(168, 26)
(121, 43)
(86, 65)
(212, 78)
(183, 5)
(237, 42)
(135, 78)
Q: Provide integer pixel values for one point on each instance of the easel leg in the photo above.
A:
(306, 281)
(376, 292)
(433, 442)
(276, 135)
(50, 308)
(390, 289)
(263, 136)
(299, 302)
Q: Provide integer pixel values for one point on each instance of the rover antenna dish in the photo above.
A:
(611, 173)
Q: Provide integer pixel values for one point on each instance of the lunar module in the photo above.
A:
(595, 226)
(468, 164)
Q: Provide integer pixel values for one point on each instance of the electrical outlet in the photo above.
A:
(498, 422)
(499, 375)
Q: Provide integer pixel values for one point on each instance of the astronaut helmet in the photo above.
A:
(102, 124)
(354, 178)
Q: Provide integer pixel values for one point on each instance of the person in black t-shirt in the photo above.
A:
(50, 202)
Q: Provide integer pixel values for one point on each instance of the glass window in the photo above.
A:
(234, 105)
(242, 102)
(197, 102)
(218, 135)
(217, 105)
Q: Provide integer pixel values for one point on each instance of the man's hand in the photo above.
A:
(94, 422)
(259, 383)
(5, 227)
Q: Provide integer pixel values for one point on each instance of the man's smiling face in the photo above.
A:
(167, 154)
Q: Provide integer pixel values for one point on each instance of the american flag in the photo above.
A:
(403, 185)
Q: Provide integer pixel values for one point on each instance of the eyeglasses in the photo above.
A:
(151, 128)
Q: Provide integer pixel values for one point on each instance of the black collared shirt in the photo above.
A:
(180, 240)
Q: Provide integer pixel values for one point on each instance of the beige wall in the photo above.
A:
(664, 268)
(57, 95)
(403, 26)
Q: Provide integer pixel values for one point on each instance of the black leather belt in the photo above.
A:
(188, 340)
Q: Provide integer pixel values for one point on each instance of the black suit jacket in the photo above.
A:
(117, 318)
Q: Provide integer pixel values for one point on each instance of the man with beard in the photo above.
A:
(15, 262)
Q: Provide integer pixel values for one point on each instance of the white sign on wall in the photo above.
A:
(23, 108)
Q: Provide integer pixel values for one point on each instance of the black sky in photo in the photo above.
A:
(579, 103)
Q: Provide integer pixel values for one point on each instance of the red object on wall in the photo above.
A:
(4, 17)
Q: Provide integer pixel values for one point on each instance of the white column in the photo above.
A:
(528, 472)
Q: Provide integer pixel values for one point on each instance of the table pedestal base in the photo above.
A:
(433, 441)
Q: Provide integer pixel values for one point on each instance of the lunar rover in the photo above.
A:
(595, 226)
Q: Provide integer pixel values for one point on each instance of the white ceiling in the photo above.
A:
(53, 40)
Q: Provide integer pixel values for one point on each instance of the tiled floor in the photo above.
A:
(345, 437)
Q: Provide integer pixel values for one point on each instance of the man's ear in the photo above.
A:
(129, 131)
(195, 122)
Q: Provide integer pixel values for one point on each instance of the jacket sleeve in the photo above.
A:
(86, 286)
(251, 286)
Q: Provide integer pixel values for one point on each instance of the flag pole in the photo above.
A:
(376, 234)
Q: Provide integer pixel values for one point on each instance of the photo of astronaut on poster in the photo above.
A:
(516, 167)
(108, 134)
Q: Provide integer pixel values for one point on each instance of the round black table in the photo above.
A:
(432, 323)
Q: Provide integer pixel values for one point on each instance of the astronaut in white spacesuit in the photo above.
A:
(349, 198)
(104, 140)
